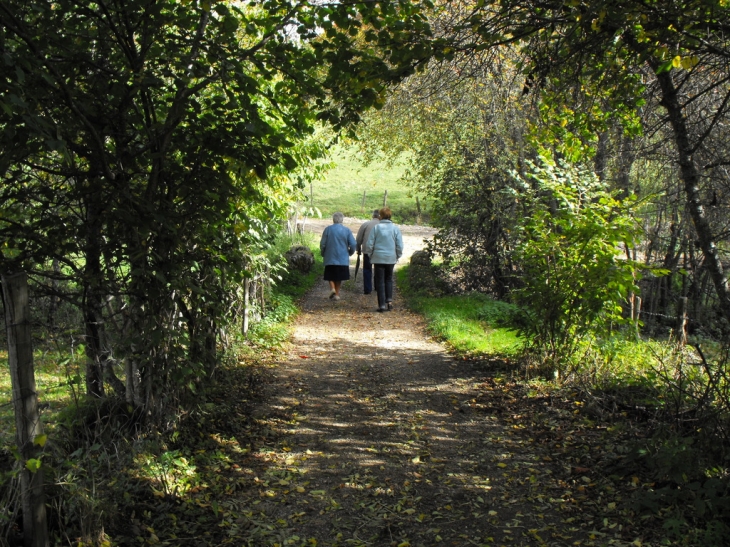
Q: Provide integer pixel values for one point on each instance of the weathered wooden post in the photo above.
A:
(385, 198)
(418, 208)
(25, 400)
(681, 329)
(246, 304)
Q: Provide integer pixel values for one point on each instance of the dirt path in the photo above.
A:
(378, 437)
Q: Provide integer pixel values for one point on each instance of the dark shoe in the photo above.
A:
(368, 292)
(382, 309)
(390, 306)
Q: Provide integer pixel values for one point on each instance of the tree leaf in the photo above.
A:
(33, 465)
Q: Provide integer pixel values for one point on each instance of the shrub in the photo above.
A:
(573, 278)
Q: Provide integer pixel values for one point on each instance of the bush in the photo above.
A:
(574, 280)
(423, 276)
(501, 314)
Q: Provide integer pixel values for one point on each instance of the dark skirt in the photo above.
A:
(336, 273)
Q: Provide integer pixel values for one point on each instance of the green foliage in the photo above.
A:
(620, 361)
(293, 283)
(472, 325)
(574, 280)
(500, 314)
(695, 504)
(460, 137)
(287, 287)
(273, 329)
(171, 473)
(152, 149)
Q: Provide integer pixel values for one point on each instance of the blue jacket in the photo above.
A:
(385, 244)
(336, 245)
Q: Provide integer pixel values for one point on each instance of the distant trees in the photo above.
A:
(462, 129)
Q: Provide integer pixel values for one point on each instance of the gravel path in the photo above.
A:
(378, 437)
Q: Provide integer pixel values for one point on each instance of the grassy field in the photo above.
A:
(343, 187)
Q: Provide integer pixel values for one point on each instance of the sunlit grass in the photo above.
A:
(342, 189)
(471, 324)
(457, 321)
(58, 378)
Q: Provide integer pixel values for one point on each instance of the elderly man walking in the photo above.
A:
(362, 236)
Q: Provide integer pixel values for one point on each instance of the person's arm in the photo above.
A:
(323, 242)
(398, 243)
(368, 247)
(360, 237)
(351, 244)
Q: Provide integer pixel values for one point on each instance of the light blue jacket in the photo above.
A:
(385, 244)
(336, 245)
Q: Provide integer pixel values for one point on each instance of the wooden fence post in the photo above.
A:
(418, 208)
(25, 400)
(681, 329)
(246, 304)
(385, 198)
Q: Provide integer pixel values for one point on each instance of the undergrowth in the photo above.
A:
(471, 325)
(113, 478)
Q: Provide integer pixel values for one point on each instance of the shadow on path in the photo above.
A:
(379, 437)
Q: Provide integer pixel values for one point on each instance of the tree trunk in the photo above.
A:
(246, 305)
(691, 178)
(53, 300)
(93, 300)
(25, 400)
(601, 159)
(625, 162)
(670, 263)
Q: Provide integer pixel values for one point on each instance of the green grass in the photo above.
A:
(343, 186)
(471, 325)
(58, 381)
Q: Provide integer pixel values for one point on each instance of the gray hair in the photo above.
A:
(376, 213)
(337, 218)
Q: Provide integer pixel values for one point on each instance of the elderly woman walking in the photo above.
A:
(337, 245)
(385, 247)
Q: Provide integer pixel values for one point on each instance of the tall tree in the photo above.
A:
(610, 54)
(138, 138)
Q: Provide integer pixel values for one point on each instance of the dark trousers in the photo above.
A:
(367, 275)
(384, 283)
